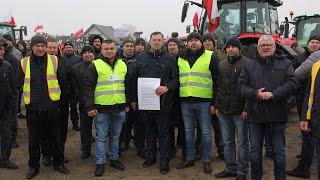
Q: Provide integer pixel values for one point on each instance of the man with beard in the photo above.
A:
(95, 40)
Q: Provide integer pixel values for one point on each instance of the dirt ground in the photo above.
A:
(84, 169)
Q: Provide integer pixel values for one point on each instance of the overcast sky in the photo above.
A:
(67, 16)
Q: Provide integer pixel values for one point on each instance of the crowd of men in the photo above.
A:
(201, 88)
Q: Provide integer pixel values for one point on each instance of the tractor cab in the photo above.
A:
(306, 26)
(6, 28)
(246, 19)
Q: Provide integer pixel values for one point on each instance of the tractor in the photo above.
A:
(6, 28)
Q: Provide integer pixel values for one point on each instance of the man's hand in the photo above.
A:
(161, 90)
(244, 115)
(212, 110)
(134, 105)
(217, 112)
(92, 113)
(267, 95)
(304, 126)
(260, 93)
(126, 109)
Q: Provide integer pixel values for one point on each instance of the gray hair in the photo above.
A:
(266, 38)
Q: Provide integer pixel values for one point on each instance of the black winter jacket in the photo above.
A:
(7, 90)
(229, 100)
(79, 72)
(40, 100)
(157, 65)
(14, 62)
(276, 75)
(192, 57)
(89, 85)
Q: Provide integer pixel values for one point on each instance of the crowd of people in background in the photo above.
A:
(243, 99)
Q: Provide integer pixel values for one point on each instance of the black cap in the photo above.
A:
(68, 43)
(208, 36)
(234, 41)
(314, 37)
(8, 37)
(194, 35)
(126, 40)
(87, 48)
(38, 38)
(140, 41)
(173, 39)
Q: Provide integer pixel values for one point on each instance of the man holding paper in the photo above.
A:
(154, 81)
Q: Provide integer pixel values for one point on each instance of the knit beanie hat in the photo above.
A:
(38, 38)
(8, 37)
(68, 43)
(175, 40)
(194, 35)
(314, 37)
(234, 41)
(88, 48)
(208, 36)
(140, 41)
(126, 40)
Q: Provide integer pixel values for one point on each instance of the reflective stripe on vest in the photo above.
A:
(52, 81)
(314, 72)
(110, 88)
(196, 81)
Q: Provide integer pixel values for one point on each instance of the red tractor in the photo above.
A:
(246, 19)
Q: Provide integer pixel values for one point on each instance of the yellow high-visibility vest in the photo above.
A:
(110, 88)
(314, 72)
(52, 81)
(196, 81)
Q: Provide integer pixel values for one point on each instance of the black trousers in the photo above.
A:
(5, 132)
(157, 126)
(40, 123)
(125, 136)
(46, 147)
(139, 133)
(85, 129)
(74, 100)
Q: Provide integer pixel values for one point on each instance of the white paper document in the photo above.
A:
(147, 97)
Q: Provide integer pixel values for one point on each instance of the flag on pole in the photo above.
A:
(196, 18)
(8, 18)
(213, 13)
(78, 33)
(39, 27)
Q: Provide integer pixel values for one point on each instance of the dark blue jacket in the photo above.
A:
(157, 65)
(276, 75)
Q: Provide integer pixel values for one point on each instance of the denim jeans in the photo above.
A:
(256, 136)
(106, 122)
(267, 141)
(190, 113)
(231, 124)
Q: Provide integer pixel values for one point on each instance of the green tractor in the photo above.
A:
(306, 26)
(6, 28)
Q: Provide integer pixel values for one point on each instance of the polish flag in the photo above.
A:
(196, 18)
(39, 27)
(213, 13)
(8, 18)
(78, 33)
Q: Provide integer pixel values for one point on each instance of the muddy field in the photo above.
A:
(84, 169)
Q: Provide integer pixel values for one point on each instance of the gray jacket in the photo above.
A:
(303, 71)
(17, 53)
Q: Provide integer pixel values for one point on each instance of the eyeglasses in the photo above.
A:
(265, 45)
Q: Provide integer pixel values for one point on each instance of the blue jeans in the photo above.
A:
(256, 136)
(231, 124)
(104, 122)
(190, 113)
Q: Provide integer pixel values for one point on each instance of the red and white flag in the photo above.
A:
(213, 13)
(39, 27)
(78, 33)
(196, 18)
(8, 18)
